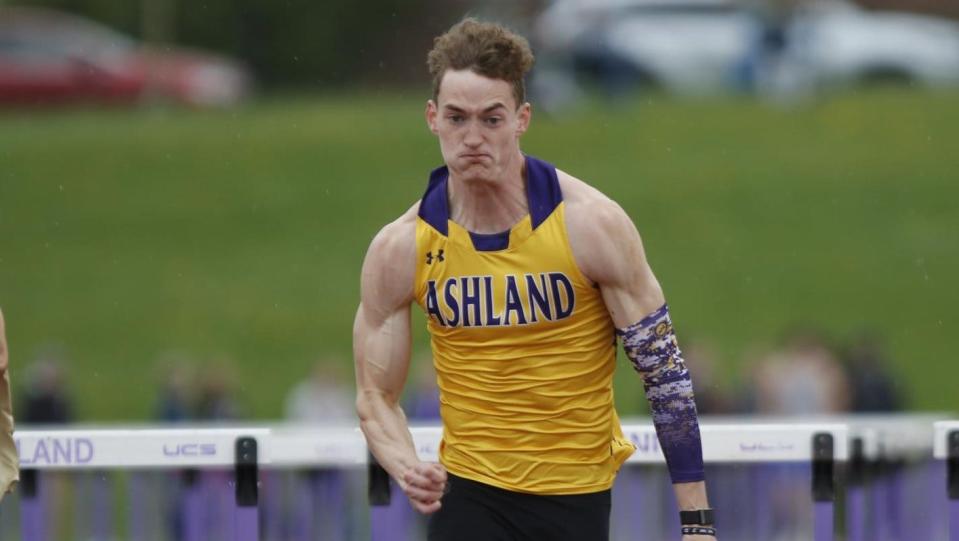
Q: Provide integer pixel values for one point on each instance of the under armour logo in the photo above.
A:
(429, 257)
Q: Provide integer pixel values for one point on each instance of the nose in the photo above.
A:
(473, 137)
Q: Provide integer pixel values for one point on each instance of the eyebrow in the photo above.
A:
(489, 109)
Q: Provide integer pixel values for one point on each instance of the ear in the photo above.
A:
(431, 114)
(523, 118)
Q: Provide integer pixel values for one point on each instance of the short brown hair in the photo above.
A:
(486, 49)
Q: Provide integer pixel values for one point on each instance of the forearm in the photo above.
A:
(651, 346)
(387, 433)
(691, 496)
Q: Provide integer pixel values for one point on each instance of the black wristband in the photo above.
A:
(699, 517)
(699, 530)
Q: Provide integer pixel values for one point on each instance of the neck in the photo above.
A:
(490, 205)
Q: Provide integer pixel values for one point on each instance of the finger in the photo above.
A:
(425, 495)
(426, 478)
(426, 509)
(437, 473)
(415, 478)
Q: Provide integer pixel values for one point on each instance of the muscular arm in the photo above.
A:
(609, 251)
(381, 350)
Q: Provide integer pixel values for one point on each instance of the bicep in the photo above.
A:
(631, 302)
(381, 349)
(617, 263)
(381, 330)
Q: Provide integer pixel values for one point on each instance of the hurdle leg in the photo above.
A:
(952, 483)
(856, 514)
(102, 520)
(32, 525)
(304, 506)
(954, 520)
(762, 476)
(894, 499)
(246, 518)
(823, 488)
(388, 521)
(856, 494)
(137, 489)
(918, 526)
(273, 489)
(329, 488)
(192, 506)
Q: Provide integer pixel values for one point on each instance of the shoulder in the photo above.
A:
(397, 237)
(599, 230)
(591, 214)
(390, 263)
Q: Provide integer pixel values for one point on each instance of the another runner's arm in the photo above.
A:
(610, 252)
(381, 350)
(4, 359)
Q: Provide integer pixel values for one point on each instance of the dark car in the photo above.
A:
(52, 57)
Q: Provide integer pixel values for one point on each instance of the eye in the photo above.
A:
(456, 119)
(494, 120)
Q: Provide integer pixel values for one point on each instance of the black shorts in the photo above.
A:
(475, 511)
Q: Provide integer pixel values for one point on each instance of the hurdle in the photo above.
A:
(883, 449)
(98, 448)
(821, 445)
(946, 449)
(245, 451)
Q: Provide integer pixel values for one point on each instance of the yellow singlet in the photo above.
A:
(523, 345)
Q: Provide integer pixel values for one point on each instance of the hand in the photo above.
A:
(425, 484)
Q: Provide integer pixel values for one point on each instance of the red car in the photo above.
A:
(52, 57)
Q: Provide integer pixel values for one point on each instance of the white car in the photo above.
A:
(708, 46)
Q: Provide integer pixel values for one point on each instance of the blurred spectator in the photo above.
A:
(324, 397)
(769, 43)
(216, 396)
(177, 374)
(874, 389)
(317, 497)
(711, 396)
(176, 392)
(803, 378)
(44, 399)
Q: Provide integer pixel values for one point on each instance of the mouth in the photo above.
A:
(474, 156)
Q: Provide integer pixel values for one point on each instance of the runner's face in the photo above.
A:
(478, 125)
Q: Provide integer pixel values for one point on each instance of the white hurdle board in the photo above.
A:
(940, 445)
(279, 446)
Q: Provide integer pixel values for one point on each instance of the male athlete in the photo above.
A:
(527, 276)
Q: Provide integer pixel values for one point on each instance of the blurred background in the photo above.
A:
(187, 190)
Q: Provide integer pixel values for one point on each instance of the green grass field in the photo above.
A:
(127, 234)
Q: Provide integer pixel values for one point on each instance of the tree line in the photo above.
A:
(313, 43)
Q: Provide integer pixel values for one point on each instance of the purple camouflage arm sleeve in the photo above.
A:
(651, 346)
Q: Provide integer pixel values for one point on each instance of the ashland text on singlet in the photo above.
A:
(523, 345)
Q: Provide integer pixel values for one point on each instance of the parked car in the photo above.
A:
(52, 57)
(708, 46)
